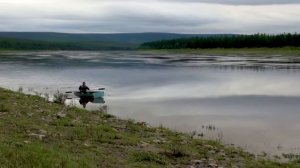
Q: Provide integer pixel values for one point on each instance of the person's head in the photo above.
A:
(83, 83)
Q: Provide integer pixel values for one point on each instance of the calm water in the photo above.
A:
(250, 101)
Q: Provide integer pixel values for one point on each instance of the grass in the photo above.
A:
(34, 133)
(147, 157)
(286, 51)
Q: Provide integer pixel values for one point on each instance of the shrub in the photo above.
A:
(59, 97)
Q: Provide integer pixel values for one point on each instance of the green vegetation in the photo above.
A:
(66, 41)
(21, 44)
(60, 41)
(226, 41)
(128, 38)
(283, 51)
(37, 133)
(58, 97)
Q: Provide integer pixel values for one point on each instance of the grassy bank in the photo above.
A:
(285, 51)
(36, 133)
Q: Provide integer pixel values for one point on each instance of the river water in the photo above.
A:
(252, 101)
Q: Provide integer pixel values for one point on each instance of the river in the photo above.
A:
(252, 101)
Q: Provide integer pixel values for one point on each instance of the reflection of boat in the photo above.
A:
(99, 100)
(84, 100)
(95, 97)
(93, 94)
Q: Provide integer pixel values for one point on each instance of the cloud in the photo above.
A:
(87, 16)
(241, 2)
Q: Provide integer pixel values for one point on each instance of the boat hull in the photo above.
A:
(94, 94)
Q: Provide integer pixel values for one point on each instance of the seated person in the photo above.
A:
(83, 88)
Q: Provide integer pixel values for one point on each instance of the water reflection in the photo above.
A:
(257, 123)
(133, 59)
(90, 103)
(251, 101)
(85, 97)
(85, 100)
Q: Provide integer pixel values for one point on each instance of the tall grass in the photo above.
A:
(59, 97)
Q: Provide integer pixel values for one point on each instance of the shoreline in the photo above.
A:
(46, 133)
(290, 51)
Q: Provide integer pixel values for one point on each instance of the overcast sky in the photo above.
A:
(177, 16)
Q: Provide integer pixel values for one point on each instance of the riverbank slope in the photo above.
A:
(36, 133)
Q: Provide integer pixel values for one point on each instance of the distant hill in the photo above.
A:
(134, 38)
(40, 40)
(25, 44)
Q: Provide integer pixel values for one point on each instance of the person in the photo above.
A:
(83, 88)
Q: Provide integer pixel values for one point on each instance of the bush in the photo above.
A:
(59, 97)
(176, 148)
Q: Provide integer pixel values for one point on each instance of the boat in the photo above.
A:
(90, 94)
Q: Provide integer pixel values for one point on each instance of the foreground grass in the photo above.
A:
(284, 51)
(36, 133)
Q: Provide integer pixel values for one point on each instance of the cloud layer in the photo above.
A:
(242, 2)
(189, 16)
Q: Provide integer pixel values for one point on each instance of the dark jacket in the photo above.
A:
(83, 88)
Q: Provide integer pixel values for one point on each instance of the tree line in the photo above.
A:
(228, 41)
(21, 44)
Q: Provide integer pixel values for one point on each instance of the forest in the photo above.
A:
(228, 41)
(24, 44)
(197, 42)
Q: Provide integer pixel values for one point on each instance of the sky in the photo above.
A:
(131, 16)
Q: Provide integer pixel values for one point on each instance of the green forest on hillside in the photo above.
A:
(131, 38)
(197, 42)
(21, 44)
(77, 41)
(241, 41)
